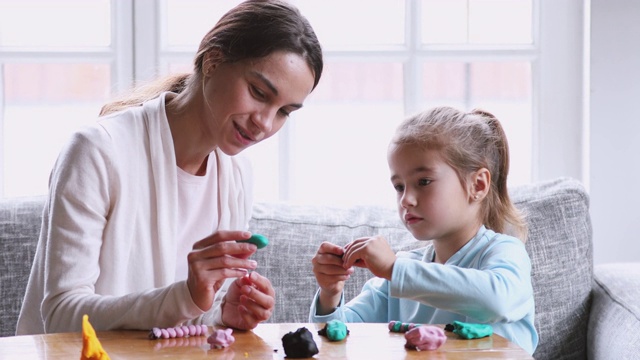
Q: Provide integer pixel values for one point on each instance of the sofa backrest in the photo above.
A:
(296, 232)
(559, 244)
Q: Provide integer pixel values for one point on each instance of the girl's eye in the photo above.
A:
(424, 182)
(399, 188)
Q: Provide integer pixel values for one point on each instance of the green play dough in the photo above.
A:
(336, 330)
(472, 331)
(258, 240)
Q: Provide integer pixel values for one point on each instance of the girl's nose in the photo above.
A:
(407, 199)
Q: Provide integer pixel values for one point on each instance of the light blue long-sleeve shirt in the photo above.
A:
(487, 281)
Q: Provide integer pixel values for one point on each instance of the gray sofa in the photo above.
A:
(581, 313)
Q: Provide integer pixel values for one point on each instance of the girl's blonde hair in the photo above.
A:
(469, 142)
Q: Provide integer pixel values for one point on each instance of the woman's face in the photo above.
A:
(249, 101)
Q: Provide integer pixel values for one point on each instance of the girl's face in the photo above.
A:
(249, 101)
(432, 202)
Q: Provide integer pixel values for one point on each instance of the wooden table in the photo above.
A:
(365, 341)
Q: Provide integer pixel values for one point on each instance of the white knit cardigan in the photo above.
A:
(107, 247)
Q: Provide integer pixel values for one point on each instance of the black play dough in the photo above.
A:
(299, 344)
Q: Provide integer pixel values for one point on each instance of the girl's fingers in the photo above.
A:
(353, 254)
(330, 249)
(355, 243)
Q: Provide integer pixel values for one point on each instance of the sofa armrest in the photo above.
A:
(614, 323)
(20, 220)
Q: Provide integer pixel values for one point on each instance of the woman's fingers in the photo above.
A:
(222, 236)
(257, 296)
(214, 259)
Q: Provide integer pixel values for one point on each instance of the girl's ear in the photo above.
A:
(480, 184)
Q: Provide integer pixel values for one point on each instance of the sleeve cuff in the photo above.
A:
(218, 302)
(336, 314)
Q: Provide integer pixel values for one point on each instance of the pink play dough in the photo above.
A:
(221, 339)
(425, 337)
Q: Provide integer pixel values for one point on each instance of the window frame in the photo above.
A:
(560, 124)
(559, 115)
(119, 55)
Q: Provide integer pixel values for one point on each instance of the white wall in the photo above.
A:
(614, 178)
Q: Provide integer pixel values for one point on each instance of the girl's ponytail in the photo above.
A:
(500, 213)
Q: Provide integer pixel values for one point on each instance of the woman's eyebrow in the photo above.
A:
(265, 81)
(271, 87)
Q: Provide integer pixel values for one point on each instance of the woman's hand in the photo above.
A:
(330, 272)
(248, 302)
(373, 253)
(214, 259)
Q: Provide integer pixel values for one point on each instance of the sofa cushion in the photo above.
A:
(19, 230)
(615, 314)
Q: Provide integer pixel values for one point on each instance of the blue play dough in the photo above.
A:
(258, 240)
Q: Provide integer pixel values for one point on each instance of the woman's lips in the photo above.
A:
(244, 137)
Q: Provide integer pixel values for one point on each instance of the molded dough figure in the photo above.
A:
(178, 332)
(91, 346)
(398, 326)
(425, 338)
(221, 338)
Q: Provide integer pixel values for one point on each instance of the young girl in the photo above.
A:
(450, 171)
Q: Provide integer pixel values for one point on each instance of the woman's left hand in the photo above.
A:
(248, 302)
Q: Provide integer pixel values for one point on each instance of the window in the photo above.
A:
(384, 60)
(59, 62)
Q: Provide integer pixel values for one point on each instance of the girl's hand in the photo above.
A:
(249, 301)
(373, 253)
(331, 275)
(214, 259)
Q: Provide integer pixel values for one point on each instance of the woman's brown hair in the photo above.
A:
(251, 30)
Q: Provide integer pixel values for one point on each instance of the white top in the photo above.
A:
(197, 211)
(108, 242)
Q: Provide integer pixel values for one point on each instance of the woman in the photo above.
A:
(138, 230)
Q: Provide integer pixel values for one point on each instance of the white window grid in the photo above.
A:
(559, 114)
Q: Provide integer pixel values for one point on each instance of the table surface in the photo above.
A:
(365, 341)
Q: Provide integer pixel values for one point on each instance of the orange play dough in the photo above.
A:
(91, 347)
